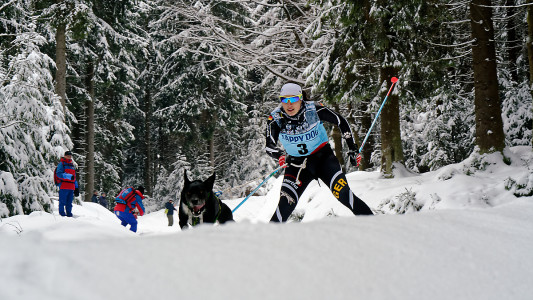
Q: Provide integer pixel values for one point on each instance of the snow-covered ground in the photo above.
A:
(463, 236)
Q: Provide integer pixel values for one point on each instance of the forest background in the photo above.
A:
(142, 90)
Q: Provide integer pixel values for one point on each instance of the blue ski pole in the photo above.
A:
(393, 80)
(255, 190)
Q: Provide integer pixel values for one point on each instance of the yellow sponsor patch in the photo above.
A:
(338, 186)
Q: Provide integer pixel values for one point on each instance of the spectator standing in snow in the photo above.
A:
(103, 201)
(297, 122)
(129, 204)
(94, 198)
(170, 208)
(68, 185)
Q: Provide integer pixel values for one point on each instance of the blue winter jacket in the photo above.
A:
(170, 208)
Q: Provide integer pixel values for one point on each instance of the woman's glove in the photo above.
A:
(355, 158)
(283, 161)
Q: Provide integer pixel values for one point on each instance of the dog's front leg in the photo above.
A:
(183, 219)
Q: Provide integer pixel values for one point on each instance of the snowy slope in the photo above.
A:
(474, 242)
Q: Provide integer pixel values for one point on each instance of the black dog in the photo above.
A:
(198, 204)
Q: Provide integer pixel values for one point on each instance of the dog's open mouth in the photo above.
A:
(197, 209)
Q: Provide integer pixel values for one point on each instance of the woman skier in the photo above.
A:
(297, 123)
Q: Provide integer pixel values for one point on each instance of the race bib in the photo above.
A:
(305, 143)
(303, 138)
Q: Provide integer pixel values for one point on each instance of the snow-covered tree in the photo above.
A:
(374, 41)
(513, 72)
(32, 133)
(104, 42)
(199, 95)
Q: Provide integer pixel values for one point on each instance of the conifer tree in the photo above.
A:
(198, 94)
(529, 45)
(513, 75)
(32, 133)
(103, 44)
(375, 40)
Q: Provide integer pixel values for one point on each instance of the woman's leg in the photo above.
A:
(329, 170)
(290, 192)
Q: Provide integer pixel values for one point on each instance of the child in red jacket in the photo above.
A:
(129, 201)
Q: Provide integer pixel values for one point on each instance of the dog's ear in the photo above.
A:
(187, 182)
(210, 182)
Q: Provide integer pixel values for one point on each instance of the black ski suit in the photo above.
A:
(303, 167)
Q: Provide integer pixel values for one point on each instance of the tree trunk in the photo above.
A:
(207, 131)
(89, 172)
(161, 145)
(148, 142)
(530, 45)
(212, 151)
(366, 122)
(337, 140)
(391, 142)
(61, 63)
(489, 125)
(513, 44)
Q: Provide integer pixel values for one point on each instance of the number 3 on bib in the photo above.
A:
(303, 149)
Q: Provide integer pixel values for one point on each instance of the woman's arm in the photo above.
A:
(272, 135)
(328, 115)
